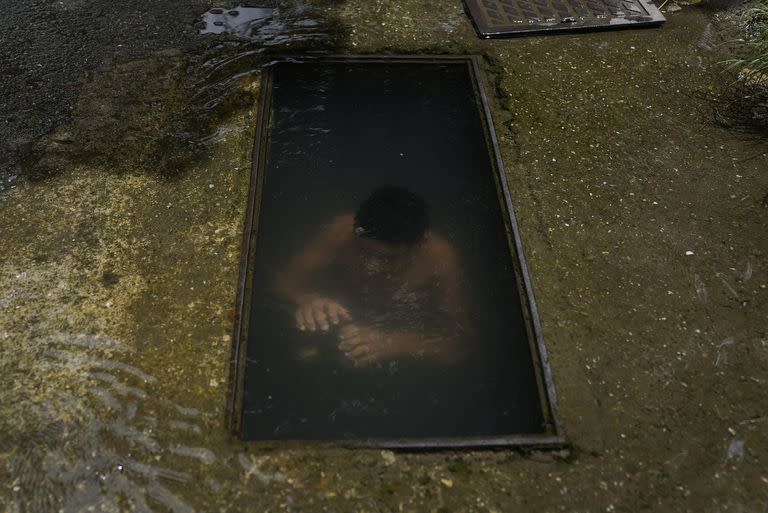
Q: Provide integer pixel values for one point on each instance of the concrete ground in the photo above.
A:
(645, 230)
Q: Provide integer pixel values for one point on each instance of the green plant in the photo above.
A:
(753, 66)
(741, 99)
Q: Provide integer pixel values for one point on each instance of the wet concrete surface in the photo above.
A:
(50, 49)
(644, 224)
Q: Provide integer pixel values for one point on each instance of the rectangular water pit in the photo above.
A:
(384, 298)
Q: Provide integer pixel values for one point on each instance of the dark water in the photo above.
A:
(339, 131)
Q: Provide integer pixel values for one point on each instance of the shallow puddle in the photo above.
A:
(288, 23)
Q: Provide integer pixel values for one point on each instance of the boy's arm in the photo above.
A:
(444, 338)
(293, 283)
(445, 334)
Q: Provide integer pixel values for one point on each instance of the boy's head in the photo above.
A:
(394, 216)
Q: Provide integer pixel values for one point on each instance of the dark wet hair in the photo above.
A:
(393, 215)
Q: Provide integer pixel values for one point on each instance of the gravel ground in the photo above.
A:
(50, 49)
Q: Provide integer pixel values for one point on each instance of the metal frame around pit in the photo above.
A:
(554, 437)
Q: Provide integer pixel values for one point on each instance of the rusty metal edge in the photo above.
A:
(484, 31)
(250, 230)
(419, 444)
(547, 440)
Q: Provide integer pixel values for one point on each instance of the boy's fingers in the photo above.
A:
(320, 318)
(359, 352)
(299, 315)
(333, 313)
(345, 313)
(351, 341)
(349, 332)
(347, 345)
(309, 318)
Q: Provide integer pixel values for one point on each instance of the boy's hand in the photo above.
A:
(363, 345)
(315, 313)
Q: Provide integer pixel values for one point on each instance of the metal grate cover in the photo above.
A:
(509, 18)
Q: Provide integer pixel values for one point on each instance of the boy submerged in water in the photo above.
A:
(391, 285)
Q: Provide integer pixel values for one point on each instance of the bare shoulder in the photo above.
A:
(341, 227)
(439, 252)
